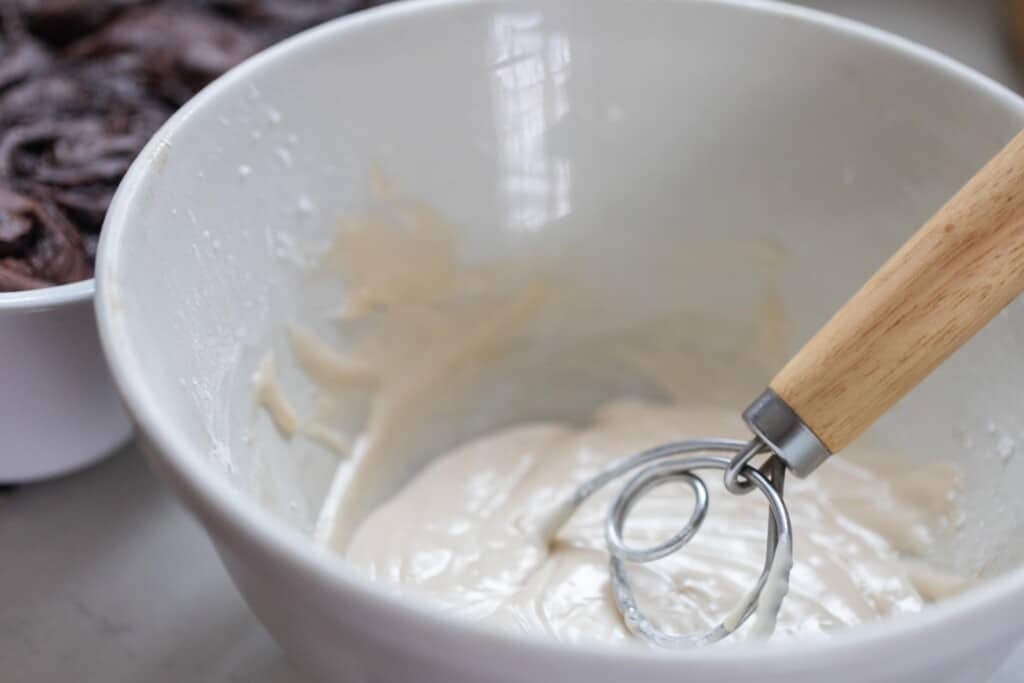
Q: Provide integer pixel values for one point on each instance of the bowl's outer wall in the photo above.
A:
(59, 410)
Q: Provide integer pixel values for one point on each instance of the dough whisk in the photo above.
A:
(941, 287)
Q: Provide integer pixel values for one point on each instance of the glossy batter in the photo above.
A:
(467, 531)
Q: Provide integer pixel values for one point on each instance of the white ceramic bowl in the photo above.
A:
(628, 136)
(59, 410)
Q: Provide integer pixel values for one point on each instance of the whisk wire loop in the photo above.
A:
(659, 466)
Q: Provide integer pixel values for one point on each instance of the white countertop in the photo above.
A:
(105, 579)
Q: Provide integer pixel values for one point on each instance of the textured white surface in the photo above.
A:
(104, 579)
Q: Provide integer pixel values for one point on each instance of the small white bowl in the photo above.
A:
(59, 411)
(622, 134)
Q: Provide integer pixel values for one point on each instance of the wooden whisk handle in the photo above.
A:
(953, 276)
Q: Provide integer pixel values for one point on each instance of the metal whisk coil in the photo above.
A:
(659, 466)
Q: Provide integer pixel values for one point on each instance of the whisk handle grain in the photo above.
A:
(953, 276)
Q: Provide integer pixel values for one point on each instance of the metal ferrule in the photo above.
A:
(785, 433)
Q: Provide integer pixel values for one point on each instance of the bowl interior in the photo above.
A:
(694, 162)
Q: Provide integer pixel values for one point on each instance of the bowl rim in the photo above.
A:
(230, 515)
(48, 297)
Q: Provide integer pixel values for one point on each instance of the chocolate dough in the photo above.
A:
(83, 86)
